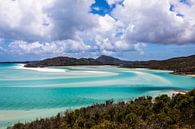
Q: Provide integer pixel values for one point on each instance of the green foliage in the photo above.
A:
(179, 65)
(163, 112)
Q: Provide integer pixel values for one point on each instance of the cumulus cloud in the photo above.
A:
(45, 26)
(70, 16)
(56, 47)
(23, 20)
(152, 21)
(111, 2)
(58, 27)
(47, 20)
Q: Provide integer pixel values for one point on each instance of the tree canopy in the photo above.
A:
(162, 112)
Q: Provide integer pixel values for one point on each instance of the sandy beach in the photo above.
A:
(21, 66)
(174, 92)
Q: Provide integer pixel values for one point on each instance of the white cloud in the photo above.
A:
(106, 23)
(36, 20)
(23, 20)
(152, 21)
(55, 47)
(109, 36)
(70, 16)
(58, 27)
(111, 2)
(96, 8)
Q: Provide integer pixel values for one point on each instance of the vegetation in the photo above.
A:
(63, 61)
(108, 60)
(180, 65)
(163, 112)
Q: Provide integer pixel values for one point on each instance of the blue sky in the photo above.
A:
(104, 7)
(127, 29)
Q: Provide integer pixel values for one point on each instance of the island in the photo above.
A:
(179, 65)
(162, 112)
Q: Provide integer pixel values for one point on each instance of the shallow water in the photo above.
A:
(27, 94)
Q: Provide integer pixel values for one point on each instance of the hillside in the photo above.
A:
(180, 65)
(108, 60)
(63, 61)
(67, 61)
(163, 112)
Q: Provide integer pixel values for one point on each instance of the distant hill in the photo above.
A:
(108, 60)
(180, 65)
(68, 61)
(63, 61)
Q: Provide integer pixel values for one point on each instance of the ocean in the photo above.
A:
(28, 94)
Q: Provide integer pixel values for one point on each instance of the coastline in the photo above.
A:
(43, 113)
(53, 112)
(135, 108)
(168, 71)
(157, 70)
(175, 92)
(45, 69)
(51, 69)
(191, 75)
(171, 92)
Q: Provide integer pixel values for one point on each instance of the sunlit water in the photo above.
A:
(27, 94)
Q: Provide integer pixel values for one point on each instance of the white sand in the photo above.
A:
(191, 75)
(53, 70)
(174, 92)
(21, 66)
(97, 72)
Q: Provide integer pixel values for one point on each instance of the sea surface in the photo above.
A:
(28, 94)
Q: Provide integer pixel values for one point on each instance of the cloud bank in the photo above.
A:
(162, 21)
(59, 27)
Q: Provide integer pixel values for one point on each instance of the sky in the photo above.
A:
(127, 29)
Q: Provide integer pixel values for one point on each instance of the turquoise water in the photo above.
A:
(27, 94)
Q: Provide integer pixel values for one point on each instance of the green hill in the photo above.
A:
(180, 65)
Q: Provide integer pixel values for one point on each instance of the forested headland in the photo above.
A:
(179, 65)
(163, 112)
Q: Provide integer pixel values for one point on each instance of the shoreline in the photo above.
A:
(175, 92)
(164, 70)
(191, 75)
(47, 69)
(171, 91)
(55, 111)
(110, 104)
(50, 69)
(39, 69)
